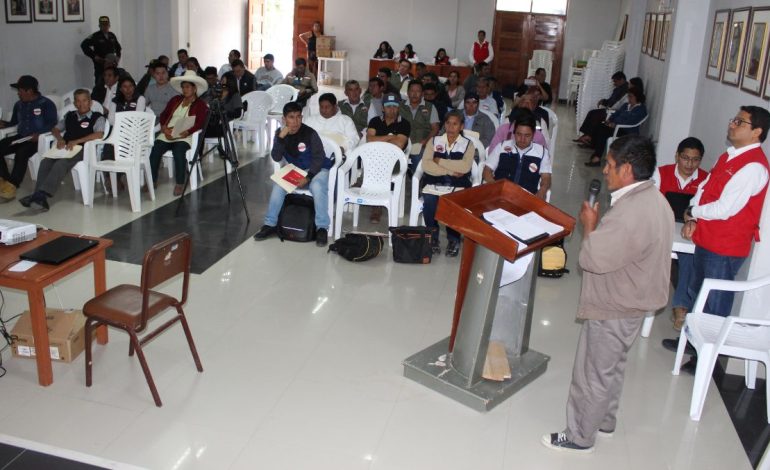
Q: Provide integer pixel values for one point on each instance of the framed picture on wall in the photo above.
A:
(45, 10)
(72, 11)
(717, 47)
(664, 40)
(736, 46)
(18, 11)
(657, 36)
(651, 36)
(756, 49)
(646, 33)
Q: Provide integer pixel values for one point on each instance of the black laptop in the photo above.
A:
(679, 203)
(59, 250)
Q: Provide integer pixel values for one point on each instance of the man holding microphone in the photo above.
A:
(626, 262)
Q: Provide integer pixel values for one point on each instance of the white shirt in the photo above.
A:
(489, 105)
(534, 150)
(488, 59)
(110, 94)
(224, 69)
(337, 124)
(618, 193)
(744, 184)
(683, 182)
(375, 109)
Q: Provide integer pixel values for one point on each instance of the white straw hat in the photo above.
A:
(200, 83)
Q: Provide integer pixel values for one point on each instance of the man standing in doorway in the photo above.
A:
(481, 52)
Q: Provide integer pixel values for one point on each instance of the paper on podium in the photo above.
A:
(54, 152)
(512, 272)
(527, 228)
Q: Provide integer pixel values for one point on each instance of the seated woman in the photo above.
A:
(446, 164)
(597, 116)
(179, 109)
(441, 58)
(408, 54)
(630, 113)
(126, 99)
(384, 51)
(524, 108)
(455, 90)
(230, 101)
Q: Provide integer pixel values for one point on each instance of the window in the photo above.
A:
(551, 7)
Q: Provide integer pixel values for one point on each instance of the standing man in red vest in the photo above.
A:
(481, 52)
(684, 176)
(724, 216)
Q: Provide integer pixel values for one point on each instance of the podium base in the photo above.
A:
(482, 396)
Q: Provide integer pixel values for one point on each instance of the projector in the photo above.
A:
(13, 232)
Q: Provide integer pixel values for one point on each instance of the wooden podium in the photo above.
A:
(454, 365)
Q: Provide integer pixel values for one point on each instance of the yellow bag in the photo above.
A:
(553, 261)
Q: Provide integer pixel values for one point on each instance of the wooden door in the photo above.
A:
(516, 35)
(253, 59)
(306, 12)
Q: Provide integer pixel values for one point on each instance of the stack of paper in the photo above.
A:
(54, 152)
(527, 228)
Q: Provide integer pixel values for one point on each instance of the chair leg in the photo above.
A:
(355, 214)
(338, 220)
(145, 368)
(750, 373)
(703, 371)
(89, 360)
(647, 325)
(148, 179)
(114, 184)
(134, 192)
(190, 341)
(680, 351)
(91, 186)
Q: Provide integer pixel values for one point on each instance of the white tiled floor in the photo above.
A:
(302, 353)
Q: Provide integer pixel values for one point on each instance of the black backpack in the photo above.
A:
(296, 221)
(411, 244)
(358, 246)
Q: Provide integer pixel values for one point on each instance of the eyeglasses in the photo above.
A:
(690, 160)
(736, 121)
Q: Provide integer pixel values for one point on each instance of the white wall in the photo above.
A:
(360, 26)
(211, 45)
(589, 23)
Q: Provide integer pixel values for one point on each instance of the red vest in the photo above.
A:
(669, 183)
(480, 51)
(732, 236)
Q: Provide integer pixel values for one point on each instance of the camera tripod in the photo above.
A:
(225, 146)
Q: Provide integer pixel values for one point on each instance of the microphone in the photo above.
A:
(593, 190)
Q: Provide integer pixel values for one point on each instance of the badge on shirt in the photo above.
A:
(301, 147)
(507, 149)
(439, 148)
(84, 124)
(533, 168)
(425, 111)
(37, 111)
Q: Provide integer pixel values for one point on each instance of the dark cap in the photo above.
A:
(26, 82)
(472, 96)
(104, 19)
(390, 99)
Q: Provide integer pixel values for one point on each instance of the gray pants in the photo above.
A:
(597, 377)
(53, 171)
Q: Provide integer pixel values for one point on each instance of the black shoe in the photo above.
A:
(265, 232)
(452, 248)
(39, 202)
(435, 247)
(559, 441)
(606, 433)
(321, 237)
(673, 344)
(690, 366)
(26, 201)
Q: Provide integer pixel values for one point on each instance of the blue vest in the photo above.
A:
(457, 153)
(522, 170)
(76, 128)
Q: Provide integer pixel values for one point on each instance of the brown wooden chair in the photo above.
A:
(130, 307)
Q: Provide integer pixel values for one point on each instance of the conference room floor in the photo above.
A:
(302, 355)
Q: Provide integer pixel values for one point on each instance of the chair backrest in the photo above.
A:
(493, 117)
(629, 126)
(479, 148)
(378, 160)
(331, 147)
(258, 104)
(133, 133)
(163, 261)
(57, 101)
(281, 94)
(69, 97)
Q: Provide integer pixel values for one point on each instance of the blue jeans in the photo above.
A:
(429, 205)
(319, 188)
(682, 296)
(707, 264)
(415, 158)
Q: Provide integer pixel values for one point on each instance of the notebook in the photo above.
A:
(679, 203)
(59, 250)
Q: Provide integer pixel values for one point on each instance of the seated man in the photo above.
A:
(302, 80)
(79, 127)
(683, 176)
(231, 57)
(402, 74)
(158, 94)
(475, 121)
(441, 94)
(596, 116)
(521, 160)
(212, 79)
(267, 75)
(354, 107)
(104, 92)
(388, 128)
(447, 168)
(33, 114)
(419, 70)
(385, 74)
(331, 121)
(373, 97)
(422, 118)
(301, 146)
(487, 102)
(483, 69)
(546, 92)
(430, 94)
(245, 80)
(179, 68)
(525, 106)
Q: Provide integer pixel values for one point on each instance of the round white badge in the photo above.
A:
(37, 111)
(533, 168)
(507, 149)
(301, 147)
(84, 124)
(439, 148)
(132, 105)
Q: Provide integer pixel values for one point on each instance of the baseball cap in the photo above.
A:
(472, 96)
(390, 100)
(104, 19)
(26, 82)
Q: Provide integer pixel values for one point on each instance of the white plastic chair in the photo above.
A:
(195, 176)
(132, 139)
(58, 102)
(378, 160)
(622, 126)
(416, 204)
(254, 120)
(281, 94)
(495, 118)
(553, 130)
(330, 148)
(712, 335)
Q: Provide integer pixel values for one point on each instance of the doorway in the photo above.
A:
(271, 23)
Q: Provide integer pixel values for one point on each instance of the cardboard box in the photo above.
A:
(66, 334)
(324, 45)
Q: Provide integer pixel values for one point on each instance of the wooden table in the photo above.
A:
(37, 278)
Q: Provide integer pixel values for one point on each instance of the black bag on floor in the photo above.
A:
(411, 244)
(358, 246)
(296, 221)
(553, 260)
